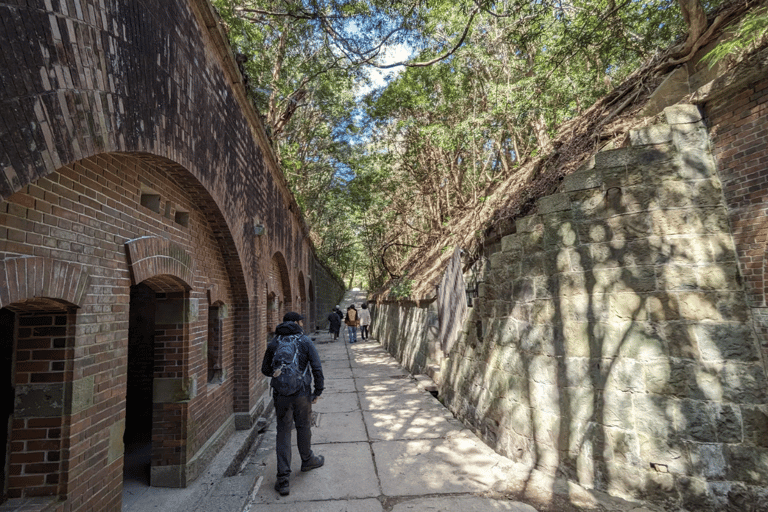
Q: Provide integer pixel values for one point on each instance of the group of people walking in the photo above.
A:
(353, 319)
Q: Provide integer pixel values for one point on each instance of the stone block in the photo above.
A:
(560, 233)
(630, 226)
(696, 421)
(511, 242)
(553, 203)
(527, 224)
(677, 277)
(623, 447)
(617, 409)
(664, 453)
(671, 90)
(626, 157)
(39, 401)
(675, 193)
(173, 390)
(538, 339)
(696, 164)
(707, 193)
(82, 394)
(543, 312)
(626, 307)
(683, 113)
(725, 341)
(650, 135)
(743, 383)
(718, 277)
(671, 378)
(116, 446)
(657, 485)
(654, 419)
(746, 464)
(545, 287)
(581, 180)
(707, 460)
(576, 343)
(662, 307)
(572, 284)
(588, 204)
(626, 375)
(755, 425)
(730, 426)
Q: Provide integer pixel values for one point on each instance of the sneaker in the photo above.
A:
(315, 462)
(282, 486)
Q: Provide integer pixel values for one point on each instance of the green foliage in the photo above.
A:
(750, 33)
(381, 175)
(402, 288)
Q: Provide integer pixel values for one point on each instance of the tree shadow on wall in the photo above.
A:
(615, 350)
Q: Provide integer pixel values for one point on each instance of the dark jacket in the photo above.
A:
(307, 355)
(334, 320)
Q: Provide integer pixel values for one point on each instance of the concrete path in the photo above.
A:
(389, 445)
(387, 442)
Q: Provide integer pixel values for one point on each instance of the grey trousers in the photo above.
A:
(290, 410)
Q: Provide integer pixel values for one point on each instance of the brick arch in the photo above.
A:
(36, 277)
(281, 282)
(150, 258)
(303, 294)
(312, 312)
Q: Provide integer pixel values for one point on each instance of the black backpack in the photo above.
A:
(287, 379)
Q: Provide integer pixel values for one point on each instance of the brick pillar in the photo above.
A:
(173, 388)
(42, 381)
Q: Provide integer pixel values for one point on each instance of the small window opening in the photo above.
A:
(151, 201)
(215, 327)
(182, 218)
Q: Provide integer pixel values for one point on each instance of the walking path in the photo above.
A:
(386, 441)
(389, 445)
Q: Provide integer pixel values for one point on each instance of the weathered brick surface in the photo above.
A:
(119, 122)
(739, 126)
(611, 340)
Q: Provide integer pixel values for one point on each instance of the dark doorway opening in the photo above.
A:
(138, 399)
(8, 337)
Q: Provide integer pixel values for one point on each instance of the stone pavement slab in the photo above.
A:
(460, 464)
(340, 385)
(387, 425)
(337, 402)
(461, 503)
(366, 505)
(348, 473)
(339, 427)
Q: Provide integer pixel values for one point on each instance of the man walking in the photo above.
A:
(287, 360)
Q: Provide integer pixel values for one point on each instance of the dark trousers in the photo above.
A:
(290, 410)
(364, 331)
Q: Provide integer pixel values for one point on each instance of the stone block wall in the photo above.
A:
(612, 341)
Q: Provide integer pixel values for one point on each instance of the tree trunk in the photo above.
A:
(696, 19)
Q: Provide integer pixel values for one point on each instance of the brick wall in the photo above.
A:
(128, 156)
(738, 119)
